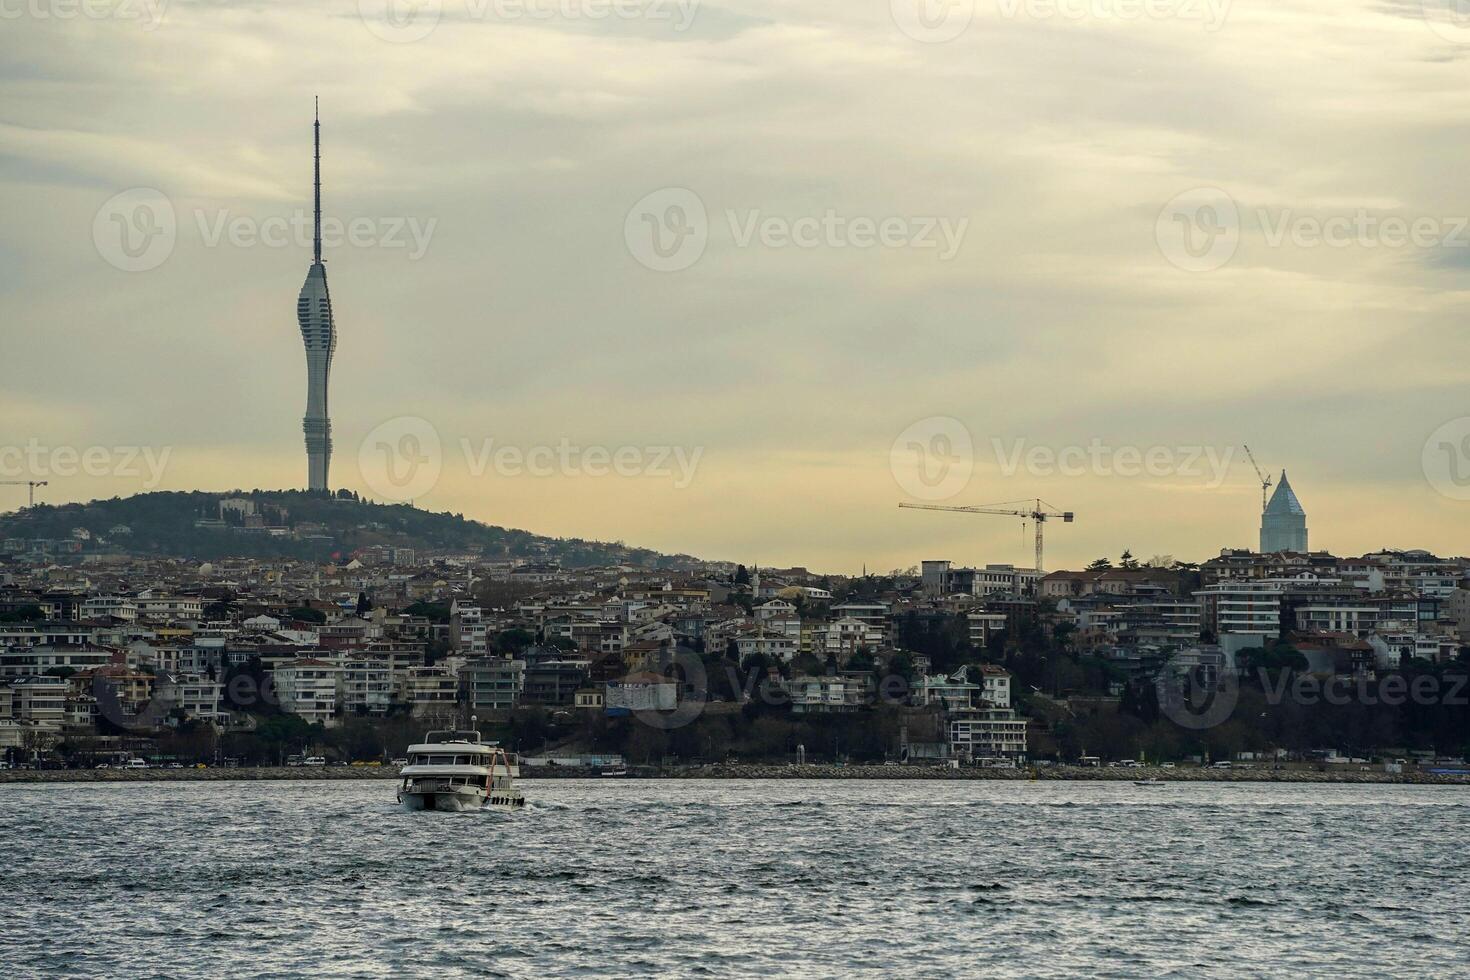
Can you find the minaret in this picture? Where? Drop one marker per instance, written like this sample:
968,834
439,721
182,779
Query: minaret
319,334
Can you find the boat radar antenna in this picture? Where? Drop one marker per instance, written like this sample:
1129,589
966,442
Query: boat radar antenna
316,126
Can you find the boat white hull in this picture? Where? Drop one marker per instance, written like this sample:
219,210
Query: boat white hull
451,802
447,802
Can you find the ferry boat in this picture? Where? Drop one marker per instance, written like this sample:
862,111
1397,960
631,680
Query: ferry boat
454,771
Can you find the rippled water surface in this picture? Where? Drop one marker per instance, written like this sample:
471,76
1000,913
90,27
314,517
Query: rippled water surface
821,878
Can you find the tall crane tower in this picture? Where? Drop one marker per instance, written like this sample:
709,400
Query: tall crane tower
31,484
1265,480
1033,511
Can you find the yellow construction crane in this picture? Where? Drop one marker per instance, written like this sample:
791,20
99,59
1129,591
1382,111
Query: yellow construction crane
1032,512
1265,480
31,484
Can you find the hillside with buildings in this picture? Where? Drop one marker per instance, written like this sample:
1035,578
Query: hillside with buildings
286,524
1285,658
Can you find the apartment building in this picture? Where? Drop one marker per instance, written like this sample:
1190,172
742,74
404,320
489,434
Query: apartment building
308,688
429,691
493,684
468,632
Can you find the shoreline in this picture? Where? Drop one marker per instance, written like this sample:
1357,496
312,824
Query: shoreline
753,771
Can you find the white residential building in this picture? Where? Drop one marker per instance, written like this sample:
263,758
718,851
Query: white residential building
773,645
995,686
28,661
101,607
197,697
467,629
987,733
40,702
308,688
364,687
169,607
1336,616
429,691
493,684
841,638
826,693
1246,606
984,625
953,693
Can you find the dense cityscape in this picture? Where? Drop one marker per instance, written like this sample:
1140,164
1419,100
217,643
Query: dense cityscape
113,657
656,488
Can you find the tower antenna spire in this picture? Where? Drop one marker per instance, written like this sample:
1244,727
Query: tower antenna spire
316,238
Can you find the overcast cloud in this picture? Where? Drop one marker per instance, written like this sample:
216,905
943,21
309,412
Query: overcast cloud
896,229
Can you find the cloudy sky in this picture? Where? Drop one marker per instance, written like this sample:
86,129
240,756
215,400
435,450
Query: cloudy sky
735,278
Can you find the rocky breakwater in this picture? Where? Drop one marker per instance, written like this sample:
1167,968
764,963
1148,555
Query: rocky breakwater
211,774
1192,774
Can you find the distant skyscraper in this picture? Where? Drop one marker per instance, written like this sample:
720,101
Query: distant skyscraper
319,333
1284,523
